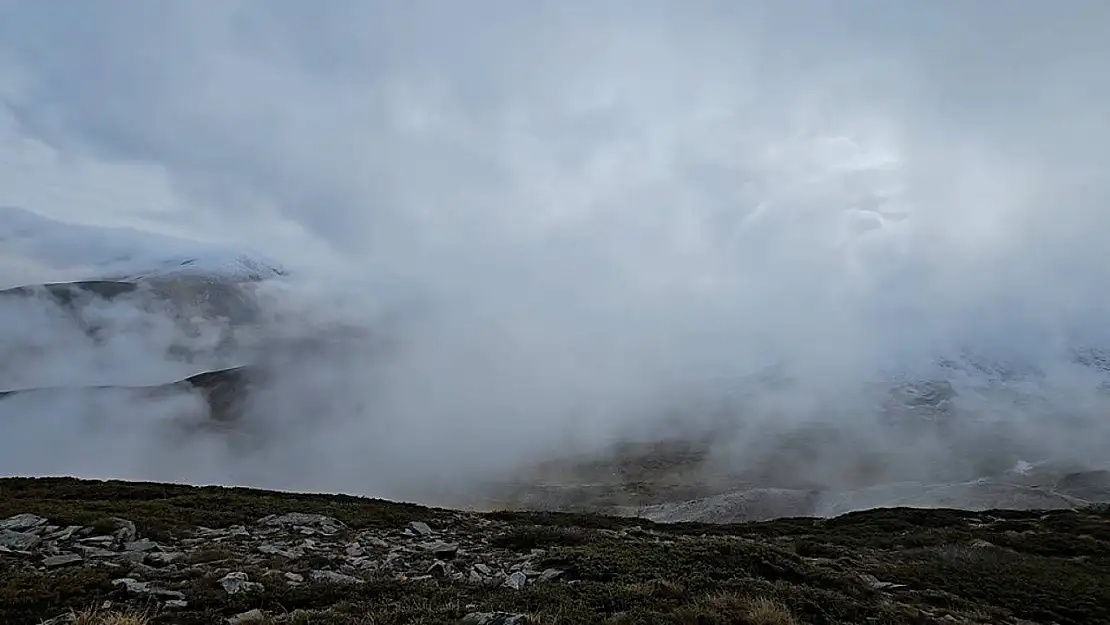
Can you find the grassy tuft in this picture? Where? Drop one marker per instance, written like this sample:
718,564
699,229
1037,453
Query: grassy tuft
96,616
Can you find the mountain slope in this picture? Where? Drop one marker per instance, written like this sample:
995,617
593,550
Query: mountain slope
101,253
131,307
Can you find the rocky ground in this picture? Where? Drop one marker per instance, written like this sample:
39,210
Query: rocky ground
187,555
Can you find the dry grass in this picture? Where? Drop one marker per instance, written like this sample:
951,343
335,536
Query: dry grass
765,611
96,616
733,609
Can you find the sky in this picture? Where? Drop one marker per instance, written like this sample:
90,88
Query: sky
602,207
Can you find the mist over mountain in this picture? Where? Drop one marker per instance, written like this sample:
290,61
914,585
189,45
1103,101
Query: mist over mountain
850,246
86,252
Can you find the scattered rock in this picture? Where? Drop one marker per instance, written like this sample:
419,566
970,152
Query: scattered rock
141,545
131,585
149,569
131,557
95,552
516,581
236,582
373,541
494,618
19,541
442,549
64,535
125,530
302,520
332,577
875,583
548,575
247,618
22,522
58,561
171,595
274,550
439,568
164,558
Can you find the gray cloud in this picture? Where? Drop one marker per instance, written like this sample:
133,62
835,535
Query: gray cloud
604,209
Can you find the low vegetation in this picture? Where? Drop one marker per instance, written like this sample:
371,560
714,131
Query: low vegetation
885,566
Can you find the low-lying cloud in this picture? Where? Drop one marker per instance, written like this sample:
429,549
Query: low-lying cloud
571,224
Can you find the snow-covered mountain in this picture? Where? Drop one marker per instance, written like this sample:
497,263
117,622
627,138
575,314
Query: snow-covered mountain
93,305
84,252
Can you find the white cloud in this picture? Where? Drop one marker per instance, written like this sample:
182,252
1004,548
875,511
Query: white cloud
603,206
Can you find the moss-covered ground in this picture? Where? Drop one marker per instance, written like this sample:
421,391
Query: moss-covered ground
882,566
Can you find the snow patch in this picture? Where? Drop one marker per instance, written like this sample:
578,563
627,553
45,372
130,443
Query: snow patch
84,252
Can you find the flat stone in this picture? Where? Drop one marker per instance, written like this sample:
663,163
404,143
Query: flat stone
247,618
442,549
58,561
483,569
494,618
516,581
274,550
295,578
132,557
548,575
19,541
103,541
374,541
236,582
141,545
125,530
877,584
64,534
22,522
142,571
132,585
208,532
95,552
331,577
420,528
164,558
320,522
177,604
171,595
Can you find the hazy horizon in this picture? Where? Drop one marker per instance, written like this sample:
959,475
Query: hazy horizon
579,221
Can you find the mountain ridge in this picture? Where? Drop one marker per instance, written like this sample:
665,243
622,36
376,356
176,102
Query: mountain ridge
88,252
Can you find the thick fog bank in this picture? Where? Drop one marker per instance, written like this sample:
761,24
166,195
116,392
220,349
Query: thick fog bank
523,231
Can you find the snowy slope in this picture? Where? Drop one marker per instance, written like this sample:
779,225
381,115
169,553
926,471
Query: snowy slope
83,252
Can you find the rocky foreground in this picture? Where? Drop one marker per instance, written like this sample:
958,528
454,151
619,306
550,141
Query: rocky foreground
181,554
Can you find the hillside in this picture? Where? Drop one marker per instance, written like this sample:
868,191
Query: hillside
191,555
87,252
